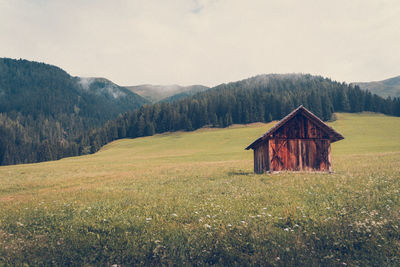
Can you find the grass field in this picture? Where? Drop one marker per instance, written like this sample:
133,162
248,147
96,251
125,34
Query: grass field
192,199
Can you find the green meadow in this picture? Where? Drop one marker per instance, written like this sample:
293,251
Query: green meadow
191,198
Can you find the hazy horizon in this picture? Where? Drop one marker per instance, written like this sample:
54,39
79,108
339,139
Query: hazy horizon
205,42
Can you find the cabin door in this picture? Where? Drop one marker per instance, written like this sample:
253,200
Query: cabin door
277,154
315,155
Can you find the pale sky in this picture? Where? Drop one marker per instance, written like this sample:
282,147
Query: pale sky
205,41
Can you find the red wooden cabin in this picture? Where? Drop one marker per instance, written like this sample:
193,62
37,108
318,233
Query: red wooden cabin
298,142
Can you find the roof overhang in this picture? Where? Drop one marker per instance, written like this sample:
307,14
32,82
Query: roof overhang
333,135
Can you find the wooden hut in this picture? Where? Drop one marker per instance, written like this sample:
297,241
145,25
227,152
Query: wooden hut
299,142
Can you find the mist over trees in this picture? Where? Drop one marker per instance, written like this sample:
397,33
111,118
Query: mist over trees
43,110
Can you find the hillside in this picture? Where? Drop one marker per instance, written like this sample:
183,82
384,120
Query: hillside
155,93
389,87
191,198
43,108
261,98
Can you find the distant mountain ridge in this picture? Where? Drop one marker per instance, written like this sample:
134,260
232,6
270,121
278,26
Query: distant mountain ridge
155,93
385,88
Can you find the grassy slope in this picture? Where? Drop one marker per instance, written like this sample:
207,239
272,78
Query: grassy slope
192,197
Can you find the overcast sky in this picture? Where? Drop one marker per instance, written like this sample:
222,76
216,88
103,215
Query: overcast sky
205,41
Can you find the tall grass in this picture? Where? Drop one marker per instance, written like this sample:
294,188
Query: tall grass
192,199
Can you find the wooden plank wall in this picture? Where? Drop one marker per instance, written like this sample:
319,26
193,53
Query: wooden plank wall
299,155
300,127
261,158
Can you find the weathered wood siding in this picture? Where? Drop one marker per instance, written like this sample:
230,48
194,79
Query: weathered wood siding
299,145
299,155
300,127
261,158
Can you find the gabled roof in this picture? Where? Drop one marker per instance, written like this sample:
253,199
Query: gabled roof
333,135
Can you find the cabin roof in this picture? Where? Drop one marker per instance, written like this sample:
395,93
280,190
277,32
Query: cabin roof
333,135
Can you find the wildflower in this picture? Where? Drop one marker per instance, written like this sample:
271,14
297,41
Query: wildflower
277,259
243,222
20,224
229,225
286,229
148,219
174,214
207,226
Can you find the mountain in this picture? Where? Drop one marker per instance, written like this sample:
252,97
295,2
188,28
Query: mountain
43,109
39,89
155,93
112,98
389,87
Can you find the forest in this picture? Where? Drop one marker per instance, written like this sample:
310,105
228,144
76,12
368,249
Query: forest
43,110
45,115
